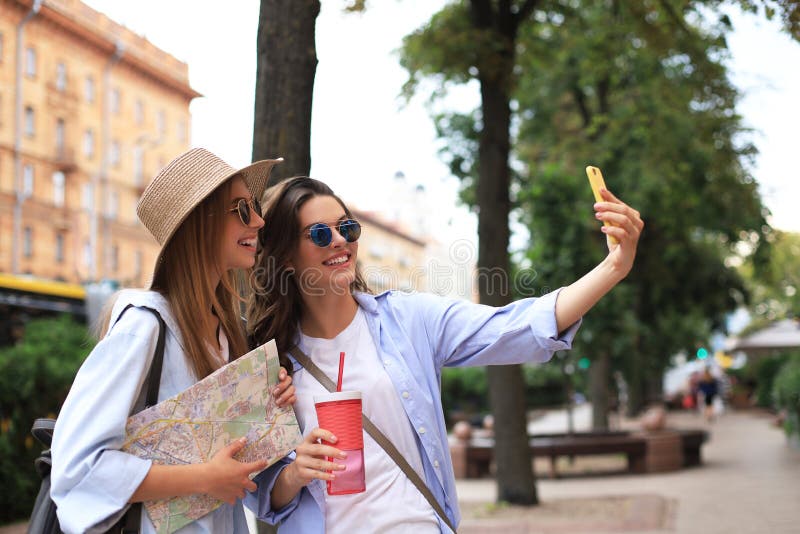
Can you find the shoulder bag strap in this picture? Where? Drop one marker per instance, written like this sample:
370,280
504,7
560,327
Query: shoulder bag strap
377,435
130,523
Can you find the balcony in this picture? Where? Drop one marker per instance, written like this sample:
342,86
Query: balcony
65,159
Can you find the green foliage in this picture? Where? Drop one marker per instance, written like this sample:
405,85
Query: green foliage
786,393
765,371
465,390
775,281
35,377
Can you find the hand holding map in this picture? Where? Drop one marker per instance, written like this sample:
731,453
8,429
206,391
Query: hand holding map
233,402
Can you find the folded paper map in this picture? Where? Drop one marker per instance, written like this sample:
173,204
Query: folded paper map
234,401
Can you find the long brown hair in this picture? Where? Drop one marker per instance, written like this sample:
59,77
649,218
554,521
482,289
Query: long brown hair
184,278
275,305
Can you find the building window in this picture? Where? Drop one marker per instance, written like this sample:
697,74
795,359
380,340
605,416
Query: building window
88,89
88,143
181,130
138,165
114,258
27,180
60,135
113,205
30,122
27,243
88,196
61,77
114,155
58,188
30,62
161,122
87,254
138,112
115,101
60,247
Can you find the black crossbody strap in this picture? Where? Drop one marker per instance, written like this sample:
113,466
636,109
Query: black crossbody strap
131,521
377,435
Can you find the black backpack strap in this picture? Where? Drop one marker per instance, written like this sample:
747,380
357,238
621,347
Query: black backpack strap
130,523
154,375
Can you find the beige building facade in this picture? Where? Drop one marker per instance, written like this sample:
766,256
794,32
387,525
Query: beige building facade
89,111
389,255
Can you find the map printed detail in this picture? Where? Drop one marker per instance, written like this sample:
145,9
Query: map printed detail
233,402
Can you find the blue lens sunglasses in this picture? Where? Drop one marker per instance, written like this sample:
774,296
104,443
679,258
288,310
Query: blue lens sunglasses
321,234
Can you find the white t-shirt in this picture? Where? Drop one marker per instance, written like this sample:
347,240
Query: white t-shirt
391,503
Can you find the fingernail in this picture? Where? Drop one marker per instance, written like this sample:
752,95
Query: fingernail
342,454
333,439
341,467
283,374
597,215
242,440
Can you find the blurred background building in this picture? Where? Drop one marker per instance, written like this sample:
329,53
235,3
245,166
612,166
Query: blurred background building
89,111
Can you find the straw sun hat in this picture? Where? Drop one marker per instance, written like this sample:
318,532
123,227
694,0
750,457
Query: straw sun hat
183,183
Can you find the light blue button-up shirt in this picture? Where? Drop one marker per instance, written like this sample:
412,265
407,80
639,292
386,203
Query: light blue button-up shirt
92,480
416,335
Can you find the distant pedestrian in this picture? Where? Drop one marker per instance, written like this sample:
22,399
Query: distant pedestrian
709,387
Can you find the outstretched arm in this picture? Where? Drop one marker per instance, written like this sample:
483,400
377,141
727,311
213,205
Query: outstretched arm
579,297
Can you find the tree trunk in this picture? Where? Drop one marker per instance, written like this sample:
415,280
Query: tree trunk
515,479
598,388
287,64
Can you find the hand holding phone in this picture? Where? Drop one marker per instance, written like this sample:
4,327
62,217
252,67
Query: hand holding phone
597,183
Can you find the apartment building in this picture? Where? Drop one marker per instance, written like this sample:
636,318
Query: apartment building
389,255
89,111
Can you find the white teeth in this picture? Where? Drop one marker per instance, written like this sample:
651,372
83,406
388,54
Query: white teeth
337,261
248,242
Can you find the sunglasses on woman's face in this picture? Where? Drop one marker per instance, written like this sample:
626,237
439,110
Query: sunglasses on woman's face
321,234
243,207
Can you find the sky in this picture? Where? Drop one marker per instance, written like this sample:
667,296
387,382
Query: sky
363,133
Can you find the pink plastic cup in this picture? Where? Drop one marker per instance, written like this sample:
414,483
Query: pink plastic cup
340,413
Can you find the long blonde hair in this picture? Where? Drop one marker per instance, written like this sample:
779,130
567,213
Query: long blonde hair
184,278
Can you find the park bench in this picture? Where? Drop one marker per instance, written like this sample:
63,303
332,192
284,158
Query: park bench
645,452
692,441
472,459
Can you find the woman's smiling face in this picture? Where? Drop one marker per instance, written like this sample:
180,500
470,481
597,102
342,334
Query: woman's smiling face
332,267
238,249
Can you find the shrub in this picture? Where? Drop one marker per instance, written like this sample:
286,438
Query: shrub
786,392
35,377
766,370
465,390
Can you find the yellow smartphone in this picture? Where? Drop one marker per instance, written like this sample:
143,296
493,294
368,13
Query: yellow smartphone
597,183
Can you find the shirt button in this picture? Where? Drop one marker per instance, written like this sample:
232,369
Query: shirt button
436,464
405,394
422,430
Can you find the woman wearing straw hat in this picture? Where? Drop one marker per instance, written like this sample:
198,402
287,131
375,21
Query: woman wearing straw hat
205,215
308,291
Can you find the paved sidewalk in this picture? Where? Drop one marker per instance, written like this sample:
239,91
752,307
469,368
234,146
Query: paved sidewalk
749,483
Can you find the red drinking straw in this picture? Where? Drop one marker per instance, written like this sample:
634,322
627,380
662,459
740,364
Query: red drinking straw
341,368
